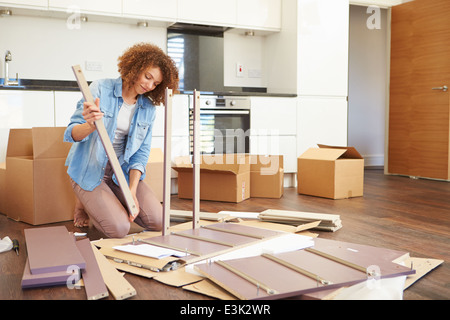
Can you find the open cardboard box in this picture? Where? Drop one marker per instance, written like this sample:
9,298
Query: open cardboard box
155,172
331,172
38,187
266,176
222,177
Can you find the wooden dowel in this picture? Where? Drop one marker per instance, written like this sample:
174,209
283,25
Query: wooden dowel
190,236
296,268
245,276
234,232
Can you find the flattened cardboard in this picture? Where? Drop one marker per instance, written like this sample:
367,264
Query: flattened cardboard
39,189
331,172
222,178
266,176
155,172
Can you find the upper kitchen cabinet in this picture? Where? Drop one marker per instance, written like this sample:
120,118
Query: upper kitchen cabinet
109,7
259,14
213,12
26,3
323,28
151,9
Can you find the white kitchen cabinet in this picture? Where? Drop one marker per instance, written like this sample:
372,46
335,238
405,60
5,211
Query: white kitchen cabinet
273,123
113,7
321,120
214,12
273,114
180,117
65,105
31,3
259,14
151,9
323,28
23,109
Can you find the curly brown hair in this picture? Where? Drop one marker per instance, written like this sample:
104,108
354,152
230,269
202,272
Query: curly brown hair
142,56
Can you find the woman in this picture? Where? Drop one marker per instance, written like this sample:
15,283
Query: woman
126,105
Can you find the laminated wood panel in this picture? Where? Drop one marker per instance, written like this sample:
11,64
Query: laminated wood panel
52,249
93,281
302,271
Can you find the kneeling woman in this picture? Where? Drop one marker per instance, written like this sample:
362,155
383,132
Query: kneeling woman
127,107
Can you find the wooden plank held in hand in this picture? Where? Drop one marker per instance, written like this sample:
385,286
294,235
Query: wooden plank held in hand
103,134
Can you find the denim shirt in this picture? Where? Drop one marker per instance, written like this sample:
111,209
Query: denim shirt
87,159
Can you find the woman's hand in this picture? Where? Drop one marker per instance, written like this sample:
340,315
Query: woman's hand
131,217
91,112
135,176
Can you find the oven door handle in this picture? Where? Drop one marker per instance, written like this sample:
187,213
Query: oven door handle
231,112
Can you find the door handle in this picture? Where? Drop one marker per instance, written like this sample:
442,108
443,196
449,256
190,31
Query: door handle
444,88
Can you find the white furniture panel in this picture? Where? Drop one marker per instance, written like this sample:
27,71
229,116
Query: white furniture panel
215,12
264,14
98,6
32,3
321,120
273,114
23,109
157,9
323,28
65,105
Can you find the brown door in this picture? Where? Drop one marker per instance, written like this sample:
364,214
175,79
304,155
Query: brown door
419,103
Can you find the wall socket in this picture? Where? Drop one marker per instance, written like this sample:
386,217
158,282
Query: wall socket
239,70
93,66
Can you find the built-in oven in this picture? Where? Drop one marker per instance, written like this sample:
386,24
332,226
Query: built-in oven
224,124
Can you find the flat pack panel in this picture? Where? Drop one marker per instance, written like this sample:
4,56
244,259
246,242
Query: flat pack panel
52,249
44,279
119,287
93,281
211,240
304,271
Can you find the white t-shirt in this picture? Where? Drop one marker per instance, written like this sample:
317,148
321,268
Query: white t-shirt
124,118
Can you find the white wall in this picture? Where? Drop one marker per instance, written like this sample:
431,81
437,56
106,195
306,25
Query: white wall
45,48
367,85
248,51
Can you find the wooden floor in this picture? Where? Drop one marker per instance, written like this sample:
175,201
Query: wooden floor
396,213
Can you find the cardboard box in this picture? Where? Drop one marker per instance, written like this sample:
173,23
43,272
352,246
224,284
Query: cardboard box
3,187
222,178
266,176
38,186
331,172
155,172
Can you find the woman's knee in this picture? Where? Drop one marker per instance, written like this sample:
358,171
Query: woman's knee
117,230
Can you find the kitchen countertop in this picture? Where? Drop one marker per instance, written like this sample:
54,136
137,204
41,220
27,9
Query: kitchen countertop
66,85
